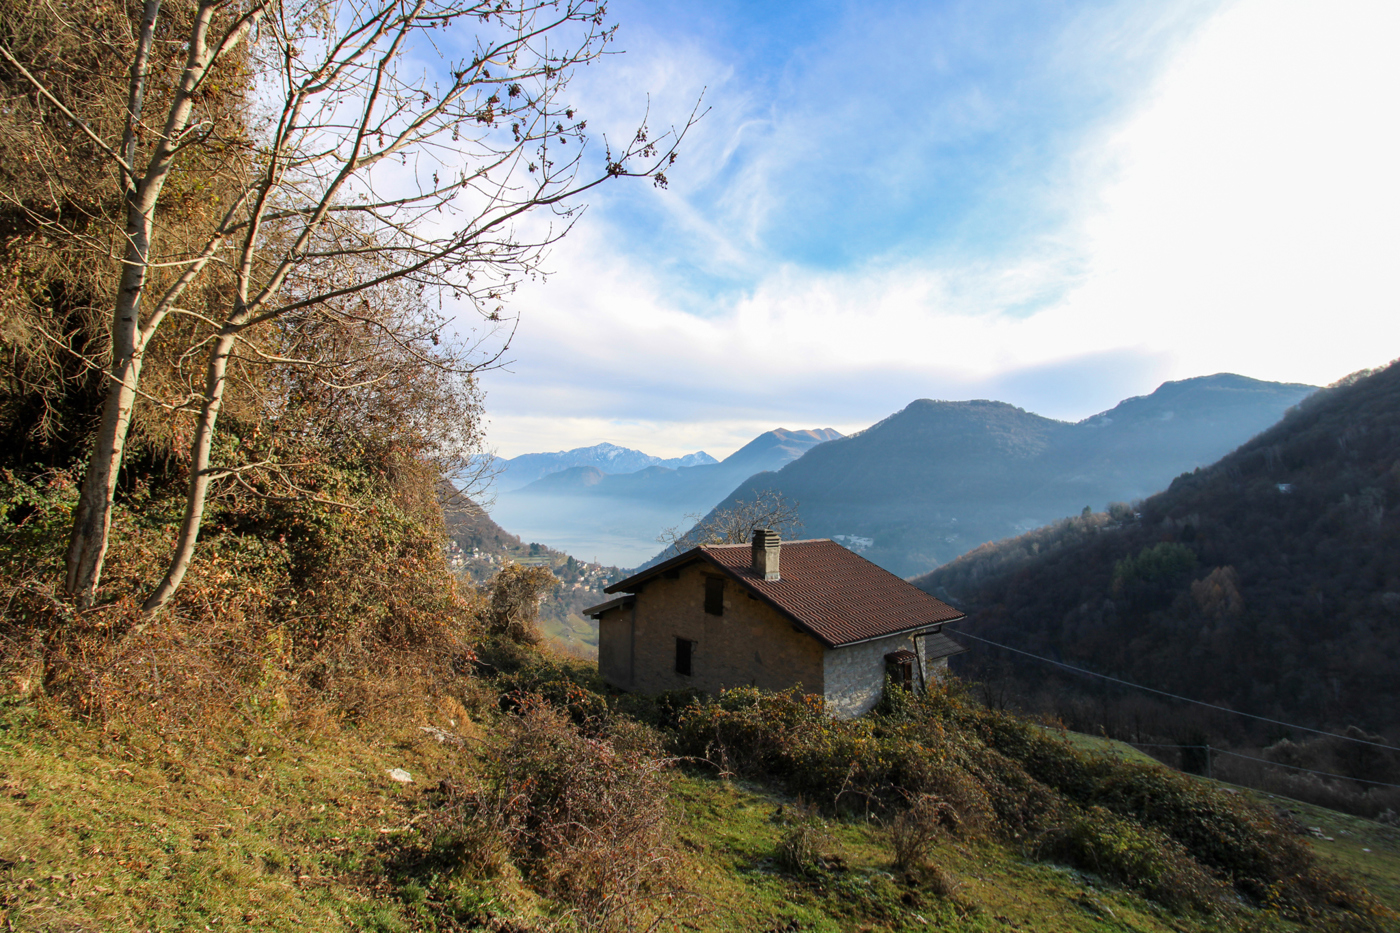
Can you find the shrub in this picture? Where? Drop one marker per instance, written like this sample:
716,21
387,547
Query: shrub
289,600
583,817
913,832
1164,834
513,602
800,850
1130,854
572,687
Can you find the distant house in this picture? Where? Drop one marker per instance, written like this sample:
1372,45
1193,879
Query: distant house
810,614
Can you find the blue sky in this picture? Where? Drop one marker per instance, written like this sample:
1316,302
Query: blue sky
1054,204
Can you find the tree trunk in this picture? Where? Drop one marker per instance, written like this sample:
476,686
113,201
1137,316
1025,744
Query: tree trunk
200,472
92,520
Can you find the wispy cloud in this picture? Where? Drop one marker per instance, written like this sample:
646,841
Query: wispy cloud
1058,210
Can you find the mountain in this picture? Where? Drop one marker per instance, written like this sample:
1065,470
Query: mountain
607,458
938,478
772,449
471,530
1268,581
694,487
589,509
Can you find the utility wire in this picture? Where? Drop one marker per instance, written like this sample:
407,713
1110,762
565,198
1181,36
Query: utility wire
1276,764
1174,696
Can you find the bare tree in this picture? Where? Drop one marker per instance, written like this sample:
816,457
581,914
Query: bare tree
735,524
378,149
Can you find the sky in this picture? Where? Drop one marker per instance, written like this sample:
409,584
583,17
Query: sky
1054,204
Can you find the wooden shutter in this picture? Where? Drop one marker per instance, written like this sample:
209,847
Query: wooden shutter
714,595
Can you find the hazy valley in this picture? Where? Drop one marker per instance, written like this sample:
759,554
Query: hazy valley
615,517
919,488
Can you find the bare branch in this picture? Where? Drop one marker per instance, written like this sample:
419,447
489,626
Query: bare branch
82,125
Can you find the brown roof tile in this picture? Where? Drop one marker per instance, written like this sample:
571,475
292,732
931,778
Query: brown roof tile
834,593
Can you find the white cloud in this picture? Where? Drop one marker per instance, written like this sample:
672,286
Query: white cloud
1242,219
1252,224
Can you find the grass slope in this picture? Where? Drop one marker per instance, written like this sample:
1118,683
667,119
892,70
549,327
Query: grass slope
1363,849
274,822
735,828
272,826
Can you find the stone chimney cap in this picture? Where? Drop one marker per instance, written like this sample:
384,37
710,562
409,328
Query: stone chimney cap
767,548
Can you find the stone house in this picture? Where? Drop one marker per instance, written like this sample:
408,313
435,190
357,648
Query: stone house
772,615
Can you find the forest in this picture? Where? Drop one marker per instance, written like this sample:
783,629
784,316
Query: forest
1268,583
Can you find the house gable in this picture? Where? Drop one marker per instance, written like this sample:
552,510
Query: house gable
747,643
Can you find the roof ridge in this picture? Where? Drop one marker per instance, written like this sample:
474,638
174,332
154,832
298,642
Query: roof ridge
783,543
838,596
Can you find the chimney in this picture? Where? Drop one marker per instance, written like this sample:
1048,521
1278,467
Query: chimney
766,545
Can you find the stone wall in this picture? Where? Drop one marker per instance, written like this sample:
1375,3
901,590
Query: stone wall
749,645
855,675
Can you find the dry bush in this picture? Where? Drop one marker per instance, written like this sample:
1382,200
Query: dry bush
913,832
967,807
1146,827
291,604
584,818
801,849
942,882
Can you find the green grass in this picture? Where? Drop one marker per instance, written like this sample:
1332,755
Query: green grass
1364,849
731,832
575,633
280,825
1100,745
249,827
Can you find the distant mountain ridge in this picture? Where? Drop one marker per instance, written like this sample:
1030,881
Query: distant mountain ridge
691,486
938,478
606,458
588,505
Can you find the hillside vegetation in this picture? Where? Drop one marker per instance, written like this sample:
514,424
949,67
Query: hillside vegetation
519,798
1268,582
479,549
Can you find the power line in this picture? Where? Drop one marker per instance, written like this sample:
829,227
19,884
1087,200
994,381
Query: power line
1174,696
1276,764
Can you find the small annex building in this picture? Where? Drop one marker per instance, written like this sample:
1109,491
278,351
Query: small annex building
773,615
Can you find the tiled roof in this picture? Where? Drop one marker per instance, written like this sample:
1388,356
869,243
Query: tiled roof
834,593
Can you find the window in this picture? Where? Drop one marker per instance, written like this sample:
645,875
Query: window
685,648
901,673
899,668
714,595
